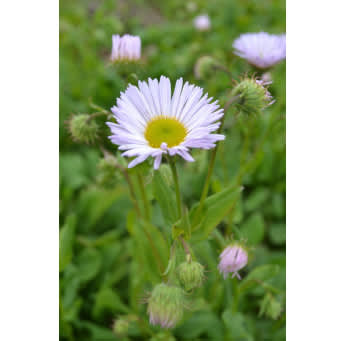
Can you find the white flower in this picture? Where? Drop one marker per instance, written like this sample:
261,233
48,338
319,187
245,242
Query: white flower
126,48
151,122
202,22
261,49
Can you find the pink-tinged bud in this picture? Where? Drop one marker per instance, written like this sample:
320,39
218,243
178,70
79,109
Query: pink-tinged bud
232,259
166,305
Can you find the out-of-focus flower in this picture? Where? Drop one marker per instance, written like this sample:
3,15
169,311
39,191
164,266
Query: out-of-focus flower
165,305
262,49
151,122
232,259
202,22
253,96
190,274
126,48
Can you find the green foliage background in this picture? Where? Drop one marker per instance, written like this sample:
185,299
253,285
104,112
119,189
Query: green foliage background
107,262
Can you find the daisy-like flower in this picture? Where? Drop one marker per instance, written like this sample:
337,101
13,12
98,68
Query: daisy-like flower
232,259
262,49
202,22
126,48
151,122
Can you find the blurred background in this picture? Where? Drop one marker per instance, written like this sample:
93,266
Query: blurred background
106,265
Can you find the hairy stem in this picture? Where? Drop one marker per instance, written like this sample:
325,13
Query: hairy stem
213,157
177,186
144,196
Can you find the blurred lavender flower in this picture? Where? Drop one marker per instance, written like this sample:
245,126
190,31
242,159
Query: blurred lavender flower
232,259
126,48
152,121
262,49
202,22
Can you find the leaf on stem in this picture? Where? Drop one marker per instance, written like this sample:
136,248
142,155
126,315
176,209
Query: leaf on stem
213,211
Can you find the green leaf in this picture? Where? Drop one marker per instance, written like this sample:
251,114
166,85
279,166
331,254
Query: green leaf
261,273
89,263
165,197
236,326
253,229
108,300
214,210
67,236
199,324
277,234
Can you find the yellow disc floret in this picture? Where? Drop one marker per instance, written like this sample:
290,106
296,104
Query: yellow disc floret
165,129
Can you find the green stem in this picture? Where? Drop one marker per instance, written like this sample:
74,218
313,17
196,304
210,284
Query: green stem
177,186
144,197
213,157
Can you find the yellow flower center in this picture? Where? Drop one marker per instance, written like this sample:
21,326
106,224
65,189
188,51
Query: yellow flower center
165,129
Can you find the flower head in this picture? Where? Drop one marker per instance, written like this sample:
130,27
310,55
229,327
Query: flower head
165,305
253,96
125,48
262,49
232,259
151,122
202,22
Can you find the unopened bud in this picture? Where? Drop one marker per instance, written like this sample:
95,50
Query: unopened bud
120,326
270,306
165,305
108,171
204,67
253,96
233,259
190,274
83,129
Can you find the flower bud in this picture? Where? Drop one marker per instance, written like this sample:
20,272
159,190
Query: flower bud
253,96
270,306
232,259
120,326
165,305
82,128
204,67
190,274
108,173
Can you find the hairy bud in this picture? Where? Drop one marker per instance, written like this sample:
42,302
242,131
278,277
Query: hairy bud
83,129
190,274
165,305
108,172
253,96
233,259
204,67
